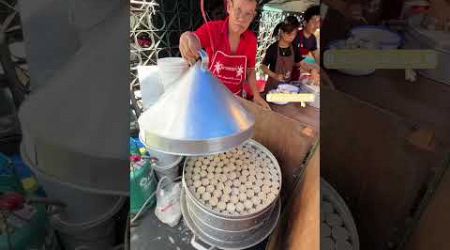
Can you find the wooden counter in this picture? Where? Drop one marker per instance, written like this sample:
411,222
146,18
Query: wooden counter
367,154
288,139
309,116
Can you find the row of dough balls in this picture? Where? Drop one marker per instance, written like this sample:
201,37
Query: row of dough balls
197,166
240,181
235,178
201,167
236,155
236,202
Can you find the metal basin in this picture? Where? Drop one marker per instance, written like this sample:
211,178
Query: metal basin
224,222
217,231
225,240
210,220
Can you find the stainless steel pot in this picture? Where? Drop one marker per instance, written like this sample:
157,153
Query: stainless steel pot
226,222
232,229
226,241
215,228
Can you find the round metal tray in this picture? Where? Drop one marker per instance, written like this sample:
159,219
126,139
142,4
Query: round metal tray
250,241
277,166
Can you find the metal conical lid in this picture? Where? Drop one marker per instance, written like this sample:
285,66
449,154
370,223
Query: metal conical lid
198,115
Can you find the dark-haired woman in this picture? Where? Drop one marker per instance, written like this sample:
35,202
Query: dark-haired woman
282,58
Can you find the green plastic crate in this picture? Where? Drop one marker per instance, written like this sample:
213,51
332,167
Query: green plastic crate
142,185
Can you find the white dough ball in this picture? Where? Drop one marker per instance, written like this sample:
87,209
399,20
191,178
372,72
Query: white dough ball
230,207
205,182
201,190
221,205
248,204
242,197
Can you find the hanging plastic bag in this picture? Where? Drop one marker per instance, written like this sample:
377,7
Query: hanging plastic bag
168,208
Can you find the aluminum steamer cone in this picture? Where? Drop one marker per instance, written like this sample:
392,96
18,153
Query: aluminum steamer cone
197,115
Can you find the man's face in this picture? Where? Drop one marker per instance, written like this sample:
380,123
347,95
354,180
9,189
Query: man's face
241,14
313,24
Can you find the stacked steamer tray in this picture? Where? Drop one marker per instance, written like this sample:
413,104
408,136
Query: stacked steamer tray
231,200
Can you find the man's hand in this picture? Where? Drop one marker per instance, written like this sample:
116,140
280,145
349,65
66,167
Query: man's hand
189,47
261,102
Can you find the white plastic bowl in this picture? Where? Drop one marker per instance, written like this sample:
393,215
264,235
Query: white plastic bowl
285,87
171,69
340,44
386,38
289,87
150,83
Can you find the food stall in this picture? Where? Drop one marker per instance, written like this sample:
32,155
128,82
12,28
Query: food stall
286,137
285,144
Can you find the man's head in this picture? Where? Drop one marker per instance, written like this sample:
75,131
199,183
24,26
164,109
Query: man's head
241,14
312,19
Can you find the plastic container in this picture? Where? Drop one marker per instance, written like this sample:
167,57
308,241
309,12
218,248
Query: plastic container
313,90
150,84
171,69
288,87
340,44
387,39
285,88
167,165
98,233
142,185
81,206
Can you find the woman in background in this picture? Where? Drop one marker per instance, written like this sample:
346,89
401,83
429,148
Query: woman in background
282,57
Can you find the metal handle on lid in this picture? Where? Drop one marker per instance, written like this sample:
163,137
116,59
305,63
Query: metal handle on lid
204,59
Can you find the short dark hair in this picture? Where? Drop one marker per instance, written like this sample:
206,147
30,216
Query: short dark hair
289,24
293,20
310,12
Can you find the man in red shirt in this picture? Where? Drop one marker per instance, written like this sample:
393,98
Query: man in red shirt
231,48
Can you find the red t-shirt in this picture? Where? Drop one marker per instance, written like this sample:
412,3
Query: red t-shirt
229,67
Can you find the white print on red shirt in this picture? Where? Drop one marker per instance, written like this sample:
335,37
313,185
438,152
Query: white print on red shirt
218,66
230,69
